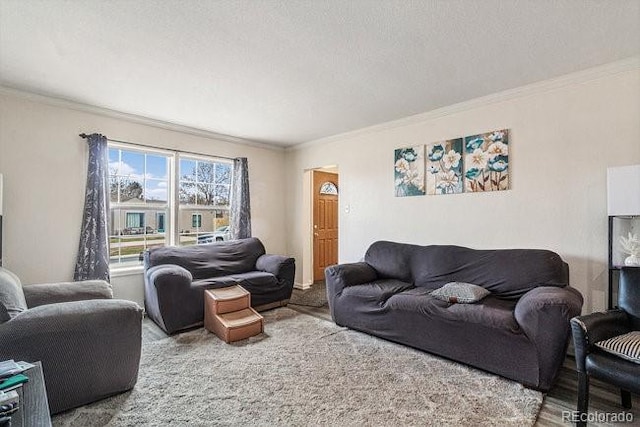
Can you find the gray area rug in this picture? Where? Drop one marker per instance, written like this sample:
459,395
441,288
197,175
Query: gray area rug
305,371
316,296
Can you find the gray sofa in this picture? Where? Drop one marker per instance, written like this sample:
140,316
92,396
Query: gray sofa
175,279
88,343
520,331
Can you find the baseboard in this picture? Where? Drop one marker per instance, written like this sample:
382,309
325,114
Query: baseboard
302,286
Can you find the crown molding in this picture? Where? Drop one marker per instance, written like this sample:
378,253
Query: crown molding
579,77
625,65
134,118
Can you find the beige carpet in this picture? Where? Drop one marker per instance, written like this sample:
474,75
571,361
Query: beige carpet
305,371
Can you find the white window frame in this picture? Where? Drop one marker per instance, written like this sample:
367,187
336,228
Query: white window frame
169,240
172,232
189,156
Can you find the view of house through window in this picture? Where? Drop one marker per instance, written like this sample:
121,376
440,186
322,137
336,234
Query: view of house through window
203,189
196,221
142,202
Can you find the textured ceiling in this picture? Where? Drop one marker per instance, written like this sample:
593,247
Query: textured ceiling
287,72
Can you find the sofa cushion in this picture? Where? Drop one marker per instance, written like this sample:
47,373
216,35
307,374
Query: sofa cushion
259,281
626,346
11,295
376,292
391,260
261,285
491,312
460,292
507,273
210,260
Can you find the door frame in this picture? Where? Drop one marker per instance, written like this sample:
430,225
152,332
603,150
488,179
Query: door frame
307,220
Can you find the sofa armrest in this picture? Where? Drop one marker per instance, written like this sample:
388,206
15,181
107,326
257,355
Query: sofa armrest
96,317
52,293
89,349
340,276
544,315
160,273
544,312
283,267
279,265
591,328
168,296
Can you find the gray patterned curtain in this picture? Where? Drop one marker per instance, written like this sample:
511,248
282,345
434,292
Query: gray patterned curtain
240,204
93,251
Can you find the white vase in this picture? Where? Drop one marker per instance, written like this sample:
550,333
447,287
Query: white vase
632,261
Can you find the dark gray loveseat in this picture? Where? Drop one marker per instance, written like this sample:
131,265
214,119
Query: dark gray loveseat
175,279
520,331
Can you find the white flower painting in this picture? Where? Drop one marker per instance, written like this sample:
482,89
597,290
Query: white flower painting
476,163
486,161
409,171
444,167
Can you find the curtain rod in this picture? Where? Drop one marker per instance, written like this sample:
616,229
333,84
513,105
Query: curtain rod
85,136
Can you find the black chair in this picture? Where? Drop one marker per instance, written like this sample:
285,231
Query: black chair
592,361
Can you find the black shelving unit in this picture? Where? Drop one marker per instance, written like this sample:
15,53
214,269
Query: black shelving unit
619,225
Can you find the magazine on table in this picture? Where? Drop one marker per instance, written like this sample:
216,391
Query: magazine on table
10,367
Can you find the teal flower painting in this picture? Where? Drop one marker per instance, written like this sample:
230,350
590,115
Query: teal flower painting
486,161
444,167
409,171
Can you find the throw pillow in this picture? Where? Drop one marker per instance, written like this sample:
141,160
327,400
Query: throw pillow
11,295
626,346
460,292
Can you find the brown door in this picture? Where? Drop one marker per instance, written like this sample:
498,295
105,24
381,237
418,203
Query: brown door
325,222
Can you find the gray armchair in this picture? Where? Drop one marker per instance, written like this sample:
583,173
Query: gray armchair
88,343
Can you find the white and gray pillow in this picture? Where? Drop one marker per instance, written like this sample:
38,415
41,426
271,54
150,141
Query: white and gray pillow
460,292
626,346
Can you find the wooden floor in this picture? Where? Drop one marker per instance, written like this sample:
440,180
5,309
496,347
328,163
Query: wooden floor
562,397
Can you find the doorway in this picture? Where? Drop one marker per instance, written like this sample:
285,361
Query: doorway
324,221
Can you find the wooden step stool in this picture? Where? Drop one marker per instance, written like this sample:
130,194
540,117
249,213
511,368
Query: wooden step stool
228,314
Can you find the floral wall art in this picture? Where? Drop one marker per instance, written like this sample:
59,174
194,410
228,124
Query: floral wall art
409,171
476,163
444,167
486,161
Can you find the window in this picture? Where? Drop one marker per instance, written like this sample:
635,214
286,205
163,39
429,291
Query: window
204,188
150,187
160,221
135,220
139,184
328,188
196,220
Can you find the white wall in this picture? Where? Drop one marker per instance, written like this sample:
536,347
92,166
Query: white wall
44,166
564,134
563,137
